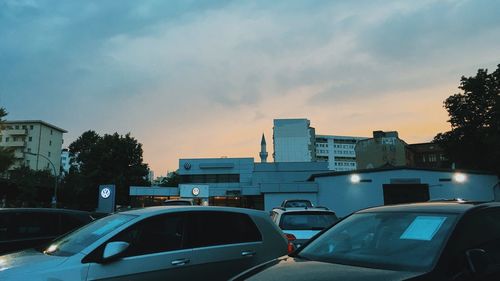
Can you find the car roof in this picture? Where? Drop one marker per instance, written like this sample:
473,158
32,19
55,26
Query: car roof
438,207
51,210
301,209
156,210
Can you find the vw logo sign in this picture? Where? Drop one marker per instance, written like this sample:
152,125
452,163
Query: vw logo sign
195,191
105,193
187,165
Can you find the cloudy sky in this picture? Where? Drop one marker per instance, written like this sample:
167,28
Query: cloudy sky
207,78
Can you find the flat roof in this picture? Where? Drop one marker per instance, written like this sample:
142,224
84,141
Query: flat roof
386,169
35,121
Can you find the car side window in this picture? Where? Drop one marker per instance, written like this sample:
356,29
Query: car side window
70,222
220,228
33,225
5,227
154,235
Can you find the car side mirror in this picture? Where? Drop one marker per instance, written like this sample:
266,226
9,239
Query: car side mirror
477,260
114,250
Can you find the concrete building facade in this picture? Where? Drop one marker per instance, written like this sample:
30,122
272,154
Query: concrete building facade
33,141
346,192
293,140
384,149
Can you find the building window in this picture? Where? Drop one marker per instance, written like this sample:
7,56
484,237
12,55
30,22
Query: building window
24,127
432,158
17,127
29,149
48,166
51,131
49,153
31,127
7,139
30,138
27,162
15,138
50,143
1,138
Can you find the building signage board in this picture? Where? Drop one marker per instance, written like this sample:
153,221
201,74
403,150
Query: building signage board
106,199
194,190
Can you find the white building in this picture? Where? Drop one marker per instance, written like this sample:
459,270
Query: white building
293,141
338,151
37,144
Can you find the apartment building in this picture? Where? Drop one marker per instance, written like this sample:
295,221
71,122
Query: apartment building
338,151
293,140
37,144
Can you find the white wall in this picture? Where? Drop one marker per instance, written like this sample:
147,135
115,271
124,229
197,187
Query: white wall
344,197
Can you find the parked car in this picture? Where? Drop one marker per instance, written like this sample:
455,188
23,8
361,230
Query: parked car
300,224
156,243
424,241
23,228
178,202
296,203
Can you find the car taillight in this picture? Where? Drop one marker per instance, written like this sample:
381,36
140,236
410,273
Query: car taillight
290,238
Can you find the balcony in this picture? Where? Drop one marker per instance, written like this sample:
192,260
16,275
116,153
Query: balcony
16,132
19,155
14,144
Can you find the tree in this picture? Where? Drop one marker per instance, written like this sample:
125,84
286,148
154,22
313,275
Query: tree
110,159
171,180
6,154
34,187
474,139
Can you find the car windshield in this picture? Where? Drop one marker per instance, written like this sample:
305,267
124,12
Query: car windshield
298,204
307,220
76,241
396,241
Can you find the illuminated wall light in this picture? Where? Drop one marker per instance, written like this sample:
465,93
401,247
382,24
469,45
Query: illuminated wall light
355,178
459,177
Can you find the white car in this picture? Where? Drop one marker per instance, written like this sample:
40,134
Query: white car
300,224
158,243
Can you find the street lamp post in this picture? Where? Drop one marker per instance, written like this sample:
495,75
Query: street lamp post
54,199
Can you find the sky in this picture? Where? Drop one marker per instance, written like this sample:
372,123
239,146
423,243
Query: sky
194,79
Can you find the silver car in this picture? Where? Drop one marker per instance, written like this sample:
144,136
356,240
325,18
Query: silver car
157,243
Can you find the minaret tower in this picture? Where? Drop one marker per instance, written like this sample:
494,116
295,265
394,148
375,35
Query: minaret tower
263,152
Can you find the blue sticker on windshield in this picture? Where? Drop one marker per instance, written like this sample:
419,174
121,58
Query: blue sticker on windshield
423,228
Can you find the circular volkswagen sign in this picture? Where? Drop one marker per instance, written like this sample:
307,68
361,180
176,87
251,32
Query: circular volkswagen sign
195,191
105,193
187,165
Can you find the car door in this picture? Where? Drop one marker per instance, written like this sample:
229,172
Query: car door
478,230
157,251
224,243
23,230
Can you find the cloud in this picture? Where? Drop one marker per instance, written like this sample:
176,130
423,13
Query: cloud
191,78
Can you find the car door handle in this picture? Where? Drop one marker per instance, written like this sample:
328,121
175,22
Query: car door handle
180,262
248,253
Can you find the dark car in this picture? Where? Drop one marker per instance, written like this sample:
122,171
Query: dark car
22,228
423,241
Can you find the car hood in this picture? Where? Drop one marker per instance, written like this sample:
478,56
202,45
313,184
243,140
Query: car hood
27,262
291,269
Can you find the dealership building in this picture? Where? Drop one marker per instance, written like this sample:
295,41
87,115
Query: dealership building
240,182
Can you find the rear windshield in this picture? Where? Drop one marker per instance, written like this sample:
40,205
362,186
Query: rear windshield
308,220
